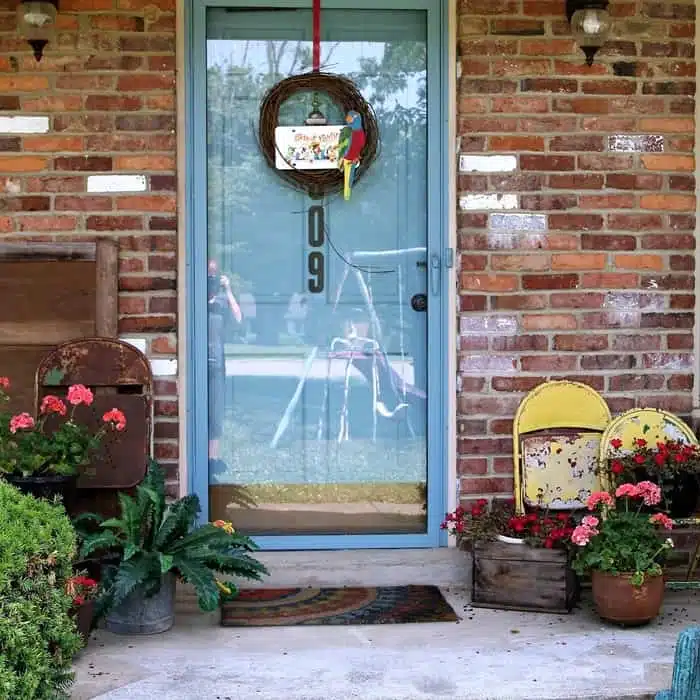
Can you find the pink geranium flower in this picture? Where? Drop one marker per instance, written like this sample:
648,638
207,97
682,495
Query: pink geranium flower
599,497
116,418
4,383
581,535
52,404
79,394
627,490
650,492
663,520
590,521
22,421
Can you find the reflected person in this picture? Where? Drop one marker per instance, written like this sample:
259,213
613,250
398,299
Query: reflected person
222,307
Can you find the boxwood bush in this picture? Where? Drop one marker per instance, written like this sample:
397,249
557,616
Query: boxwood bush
37,637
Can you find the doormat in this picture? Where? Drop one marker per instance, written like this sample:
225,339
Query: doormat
380,605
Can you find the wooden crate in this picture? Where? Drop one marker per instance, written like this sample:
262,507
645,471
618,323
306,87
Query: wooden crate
51,293
519,577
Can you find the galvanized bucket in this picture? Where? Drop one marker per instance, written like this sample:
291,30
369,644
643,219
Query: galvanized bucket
141,615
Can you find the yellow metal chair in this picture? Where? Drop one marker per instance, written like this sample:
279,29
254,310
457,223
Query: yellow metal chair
556,442
652,424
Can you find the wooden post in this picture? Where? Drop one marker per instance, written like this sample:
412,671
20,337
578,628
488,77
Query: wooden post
107,288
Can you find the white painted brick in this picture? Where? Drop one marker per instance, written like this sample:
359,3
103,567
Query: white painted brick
488,201
164,368
487,164
509,223
24,125
116,183
138,343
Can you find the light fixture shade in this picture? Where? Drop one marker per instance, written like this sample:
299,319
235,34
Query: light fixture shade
36,21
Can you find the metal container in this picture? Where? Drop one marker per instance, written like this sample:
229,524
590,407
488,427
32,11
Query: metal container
141,615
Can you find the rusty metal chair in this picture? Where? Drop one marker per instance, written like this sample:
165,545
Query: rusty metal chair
556,438
120,377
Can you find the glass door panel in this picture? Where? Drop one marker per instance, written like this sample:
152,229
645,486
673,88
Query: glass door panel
317,326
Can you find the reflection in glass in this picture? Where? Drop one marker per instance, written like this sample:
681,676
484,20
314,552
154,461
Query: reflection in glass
317,367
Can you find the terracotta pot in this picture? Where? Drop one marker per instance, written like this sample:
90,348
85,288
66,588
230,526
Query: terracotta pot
617,600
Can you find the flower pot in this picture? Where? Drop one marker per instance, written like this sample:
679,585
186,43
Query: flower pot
46,486
684,494
141,615
617,600
82,615
509,540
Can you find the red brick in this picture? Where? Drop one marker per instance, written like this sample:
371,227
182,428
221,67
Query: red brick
581,105
575,222
516,143
580,343
547,163
542,282
535,322
636,342
473,467
577,300
667,241
595,161
528,343
679,341
515,384
489,283
548,363
653,161
630,181
576,181
634,222
602,241
511,302
486,485
636,382
607,201
579,142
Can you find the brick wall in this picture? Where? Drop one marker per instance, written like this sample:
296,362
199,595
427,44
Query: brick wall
577,215
107,87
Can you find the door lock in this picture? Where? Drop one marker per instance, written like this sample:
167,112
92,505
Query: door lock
419,302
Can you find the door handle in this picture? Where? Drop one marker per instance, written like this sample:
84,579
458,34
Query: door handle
435,274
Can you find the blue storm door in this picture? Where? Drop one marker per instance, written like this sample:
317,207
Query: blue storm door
318,389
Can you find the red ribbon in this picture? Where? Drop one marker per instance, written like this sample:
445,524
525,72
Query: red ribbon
317,35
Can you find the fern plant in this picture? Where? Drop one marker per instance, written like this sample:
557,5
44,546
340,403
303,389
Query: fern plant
154,538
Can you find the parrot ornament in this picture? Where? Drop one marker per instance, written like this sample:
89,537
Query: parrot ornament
350,146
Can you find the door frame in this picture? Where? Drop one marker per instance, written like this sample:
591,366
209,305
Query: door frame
193,269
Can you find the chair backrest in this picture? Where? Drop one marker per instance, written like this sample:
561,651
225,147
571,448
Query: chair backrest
652,424
556,433
686,668
120,377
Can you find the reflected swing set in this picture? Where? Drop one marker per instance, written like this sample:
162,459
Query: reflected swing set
393,395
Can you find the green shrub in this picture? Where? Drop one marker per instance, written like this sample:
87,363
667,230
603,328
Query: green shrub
37,637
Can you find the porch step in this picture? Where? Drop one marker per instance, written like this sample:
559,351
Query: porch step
359,567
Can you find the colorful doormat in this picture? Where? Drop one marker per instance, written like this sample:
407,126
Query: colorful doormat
381,605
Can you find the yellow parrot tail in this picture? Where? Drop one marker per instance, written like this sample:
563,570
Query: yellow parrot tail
347,172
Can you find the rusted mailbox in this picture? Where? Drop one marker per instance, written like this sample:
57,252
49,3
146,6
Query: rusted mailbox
120,377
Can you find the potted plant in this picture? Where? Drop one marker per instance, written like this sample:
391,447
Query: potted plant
42,455
160,543
620,546
83,590
673,465
519,562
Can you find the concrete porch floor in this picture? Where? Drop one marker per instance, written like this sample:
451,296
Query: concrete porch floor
488,655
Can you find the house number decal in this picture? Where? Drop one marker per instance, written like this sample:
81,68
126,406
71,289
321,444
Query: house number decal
316,261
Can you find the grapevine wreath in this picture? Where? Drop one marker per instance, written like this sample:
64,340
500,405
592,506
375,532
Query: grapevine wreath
341,91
